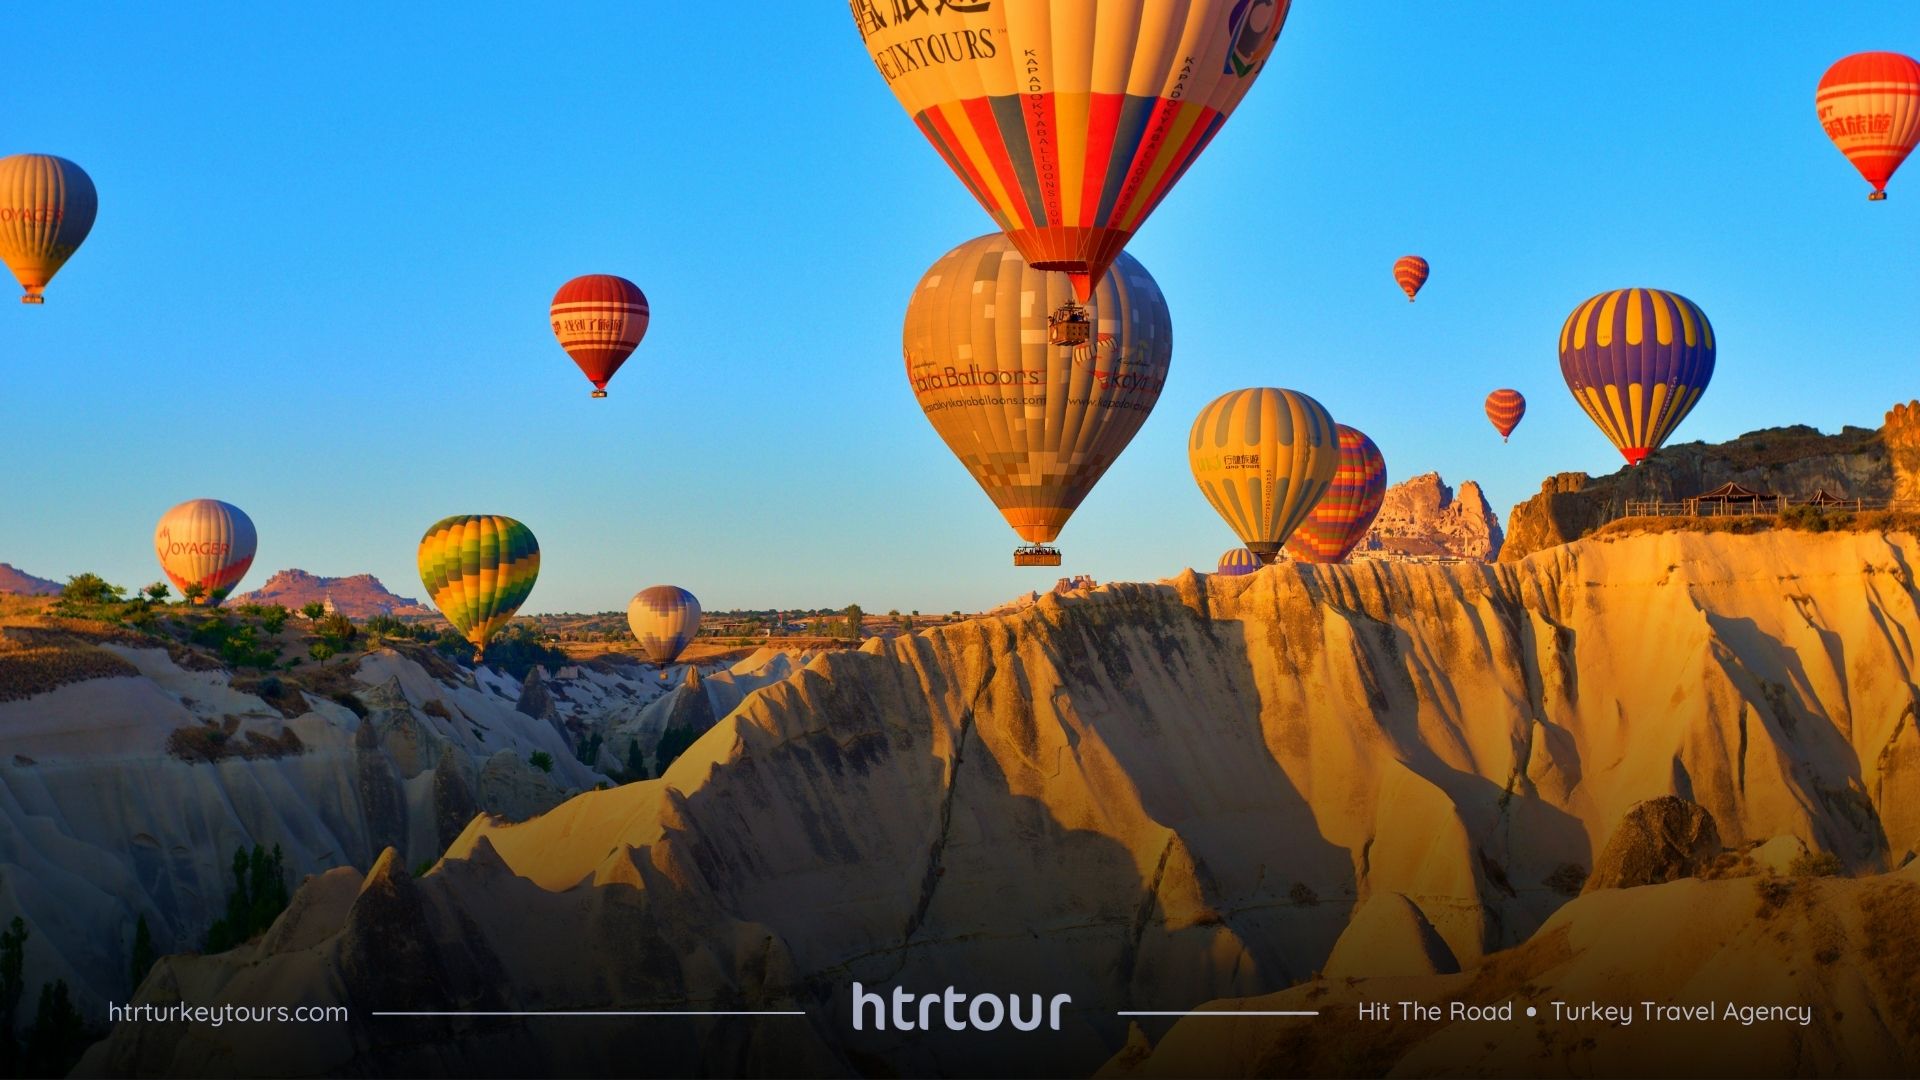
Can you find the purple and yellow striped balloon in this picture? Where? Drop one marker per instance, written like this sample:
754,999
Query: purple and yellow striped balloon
1238,563
1344,514
1637,360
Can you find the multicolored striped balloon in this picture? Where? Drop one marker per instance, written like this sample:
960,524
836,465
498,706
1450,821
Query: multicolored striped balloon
1411,273
1637,360
1870,105
1343,515
478,570
205,543
47,205
599,319
1238,562
1036,425
1264,457
1506,408
665,619
1070,120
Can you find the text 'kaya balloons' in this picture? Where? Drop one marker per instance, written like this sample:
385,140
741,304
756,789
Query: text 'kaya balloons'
1070,120
1637,360
1505,410
1238,562
664,619
1343,515
1036,425
47,206
207,544
599,319
478,570
1870,105
1410,273
1264,457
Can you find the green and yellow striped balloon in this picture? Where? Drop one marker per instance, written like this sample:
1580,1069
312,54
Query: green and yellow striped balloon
478,570
1264,457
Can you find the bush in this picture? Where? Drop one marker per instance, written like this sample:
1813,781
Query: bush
541,760
386,626
518,650
91,589
1816,864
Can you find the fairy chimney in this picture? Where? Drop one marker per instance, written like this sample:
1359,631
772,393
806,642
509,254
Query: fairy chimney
1902,435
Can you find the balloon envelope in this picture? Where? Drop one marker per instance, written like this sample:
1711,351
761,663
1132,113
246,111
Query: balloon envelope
664,619
478,570
1505,410
1036,425
208,543
47,205
1637,360
1411,274
1070,120
1238,562
1870,105
1264,457
599,319
1343,515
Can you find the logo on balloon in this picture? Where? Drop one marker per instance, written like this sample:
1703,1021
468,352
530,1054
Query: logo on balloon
1249,31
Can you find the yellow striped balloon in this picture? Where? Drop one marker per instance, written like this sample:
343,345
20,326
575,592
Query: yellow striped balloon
1264,458
47,206
1637,360
478,570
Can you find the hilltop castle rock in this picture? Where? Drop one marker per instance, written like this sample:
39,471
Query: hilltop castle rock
1791,461
1902,436
358,597
1153,796
1422,519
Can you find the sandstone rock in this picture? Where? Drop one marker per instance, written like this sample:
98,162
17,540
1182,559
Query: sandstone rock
1779,853
1660,840
1389,936
22,583
1902,435
358,597
1421,518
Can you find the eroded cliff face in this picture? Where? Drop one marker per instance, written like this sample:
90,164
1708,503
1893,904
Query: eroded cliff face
1146,796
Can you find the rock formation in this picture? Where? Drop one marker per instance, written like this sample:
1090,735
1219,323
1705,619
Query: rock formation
22,583
1902,435
358,597
1792,461
1660,840
1421,519
1153,796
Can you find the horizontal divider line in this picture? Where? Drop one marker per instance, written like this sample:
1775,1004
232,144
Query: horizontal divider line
1220,1012
656,1012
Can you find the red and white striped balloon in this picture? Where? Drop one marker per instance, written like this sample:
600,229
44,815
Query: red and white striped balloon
599,319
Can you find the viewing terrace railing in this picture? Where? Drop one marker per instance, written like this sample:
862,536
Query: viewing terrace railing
1757,508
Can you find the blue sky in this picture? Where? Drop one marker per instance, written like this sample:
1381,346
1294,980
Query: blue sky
317,287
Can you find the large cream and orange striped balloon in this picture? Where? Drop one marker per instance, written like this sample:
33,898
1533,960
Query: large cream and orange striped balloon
1069,120
1637,360
47,206
1034,424
1870,105
1264,458
1410,273
208,543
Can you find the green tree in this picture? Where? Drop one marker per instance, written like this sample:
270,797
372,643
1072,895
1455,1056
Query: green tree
273,618
313,611
58,1036
91,589
636,765
13,958
193,593
157,592
258,897
854,617
673,743
144,954
541,760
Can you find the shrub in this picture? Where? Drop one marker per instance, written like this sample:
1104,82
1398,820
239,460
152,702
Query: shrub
1816,864
518,650
541,760
91,589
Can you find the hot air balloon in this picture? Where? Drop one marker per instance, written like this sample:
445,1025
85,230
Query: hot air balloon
1637,360
1069,120
1264,457
1238,562
599,319
664,618
1870,105
478,570
1036,426
1411,272
1343,515
46,209
1506,408
205,543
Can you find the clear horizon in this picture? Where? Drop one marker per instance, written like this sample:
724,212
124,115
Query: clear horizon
317,285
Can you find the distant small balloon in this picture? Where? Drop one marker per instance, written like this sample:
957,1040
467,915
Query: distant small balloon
47,206
1343,515
1411,272
665,620
478,570
1505,409
1870,105
208,543
1237,563
1263,457
599,319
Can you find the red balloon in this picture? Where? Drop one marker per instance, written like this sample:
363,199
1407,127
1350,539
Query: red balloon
599,319
1505,408
1411,274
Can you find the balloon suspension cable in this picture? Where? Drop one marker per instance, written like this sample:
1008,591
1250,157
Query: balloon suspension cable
1036,555
1069,326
